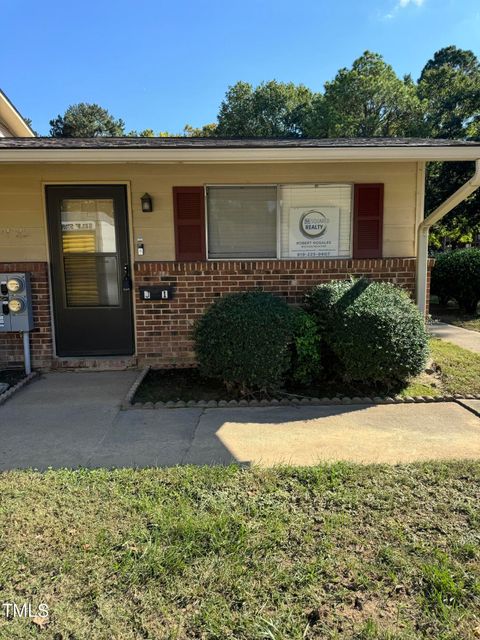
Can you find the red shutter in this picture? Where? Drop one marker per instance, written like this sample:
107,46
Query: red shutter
368,221
189,215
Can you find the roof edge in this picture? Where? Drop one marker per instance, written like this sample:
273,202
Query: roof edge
14,119
138,142
239,155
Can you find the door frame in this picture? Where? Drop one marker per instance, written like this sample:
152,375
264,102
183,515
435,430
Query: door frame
130,246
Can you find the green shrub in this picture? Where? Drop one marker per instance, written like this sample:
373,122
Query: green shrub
245,340
456,274
441,280
373,329
306,356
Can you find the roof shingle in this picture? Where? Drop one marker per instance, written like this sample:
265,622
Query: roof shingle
225,143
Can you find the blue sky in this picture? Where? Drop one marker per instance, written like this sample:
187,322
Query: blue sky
160,64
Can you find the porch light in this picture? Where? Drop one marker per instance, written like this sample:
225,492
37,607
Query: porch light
147,203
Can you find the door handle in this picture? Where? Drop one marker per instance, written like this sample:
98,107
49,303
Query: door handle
127,280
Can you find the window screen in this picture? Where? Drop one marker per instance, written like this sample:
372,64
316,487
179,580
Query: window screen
242,222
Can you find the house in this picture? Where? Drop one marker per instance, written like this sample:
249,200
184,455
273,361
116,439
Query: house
128,240
11,122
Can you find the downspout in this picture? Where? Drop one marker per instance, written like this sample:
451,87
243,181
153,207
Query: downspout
450,203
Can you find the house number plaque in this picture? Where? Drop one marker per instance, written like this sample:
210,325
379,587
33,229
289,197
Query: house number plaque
156,293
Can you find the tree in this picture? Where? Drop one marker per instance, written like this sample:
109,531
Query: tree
85,120
367,100
462,225
450,86
207,131
271,109
146,133
149,133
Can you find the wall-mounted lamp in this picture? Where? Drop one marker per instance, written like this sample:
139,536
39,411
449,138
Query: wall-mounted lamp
147,203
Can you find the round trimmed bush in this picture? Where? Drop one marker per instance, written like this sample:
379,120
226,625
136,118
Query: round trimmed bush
456,275
245,340
374,330
306,353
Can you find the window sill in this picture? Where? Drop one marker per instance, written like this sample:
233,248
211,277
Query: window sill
282,259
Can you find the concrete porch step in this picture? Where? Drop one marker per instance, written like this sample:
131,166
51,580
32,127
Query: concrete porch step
107,363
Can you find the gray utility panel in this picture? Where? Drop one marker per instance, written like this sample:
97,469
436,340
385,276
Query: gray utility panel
15,302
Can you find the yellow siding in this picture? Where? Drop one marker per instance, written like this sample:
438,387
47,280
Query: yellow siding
22,218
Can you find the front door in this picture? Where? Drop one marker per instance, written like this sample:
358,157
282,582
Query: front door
92,301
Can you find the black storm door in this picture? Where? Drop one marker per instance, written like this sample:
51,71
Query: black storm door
89,255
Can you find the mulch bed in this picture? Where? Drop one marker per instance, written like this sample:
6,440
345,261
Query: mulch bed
174,385
11,376
16,379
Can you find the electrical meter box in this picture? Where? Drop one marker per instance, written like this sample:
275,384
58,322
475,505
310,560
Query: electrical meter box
15,302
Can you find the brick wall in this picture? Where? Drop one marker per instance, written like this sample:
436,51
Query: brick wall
163,327
11,345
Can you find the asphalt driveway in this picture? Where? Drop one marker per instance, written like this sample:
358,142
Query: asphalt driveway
74,420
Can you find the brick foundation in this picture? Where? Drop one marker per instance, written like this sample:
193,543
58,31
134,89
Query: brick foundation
11,346
163,328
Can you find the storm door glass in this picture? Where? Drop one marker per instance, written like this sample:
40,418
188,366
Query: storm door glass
90,258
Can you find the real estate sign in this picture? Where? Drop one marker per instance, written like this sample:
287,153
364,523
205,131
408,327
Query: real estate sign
314,232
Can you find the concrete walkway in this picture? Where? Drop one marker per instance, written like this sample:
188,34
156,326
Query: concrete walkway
461,337
74,420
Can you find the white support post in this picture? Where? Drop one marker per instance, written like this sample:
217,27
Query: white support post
422,268
450,203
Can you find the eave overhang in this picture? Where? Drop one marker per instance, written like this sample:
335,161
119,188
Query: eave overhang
12,118
243,155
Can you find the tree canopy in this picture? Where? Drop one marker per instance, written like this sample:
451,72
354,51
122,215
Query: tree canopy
449,85
203,132
272,109
85,120
367,100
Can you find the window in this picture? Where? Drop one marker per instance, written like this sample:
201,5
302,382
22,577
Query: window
284,221
242,222
89,252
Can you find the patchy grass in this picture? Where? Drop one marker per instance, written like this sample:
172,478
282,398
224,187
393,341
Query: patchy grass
340,551
420,386
460,368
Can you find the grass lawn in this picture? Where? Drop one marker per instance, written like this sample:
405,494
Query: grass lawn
342,551
460,368
460,373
